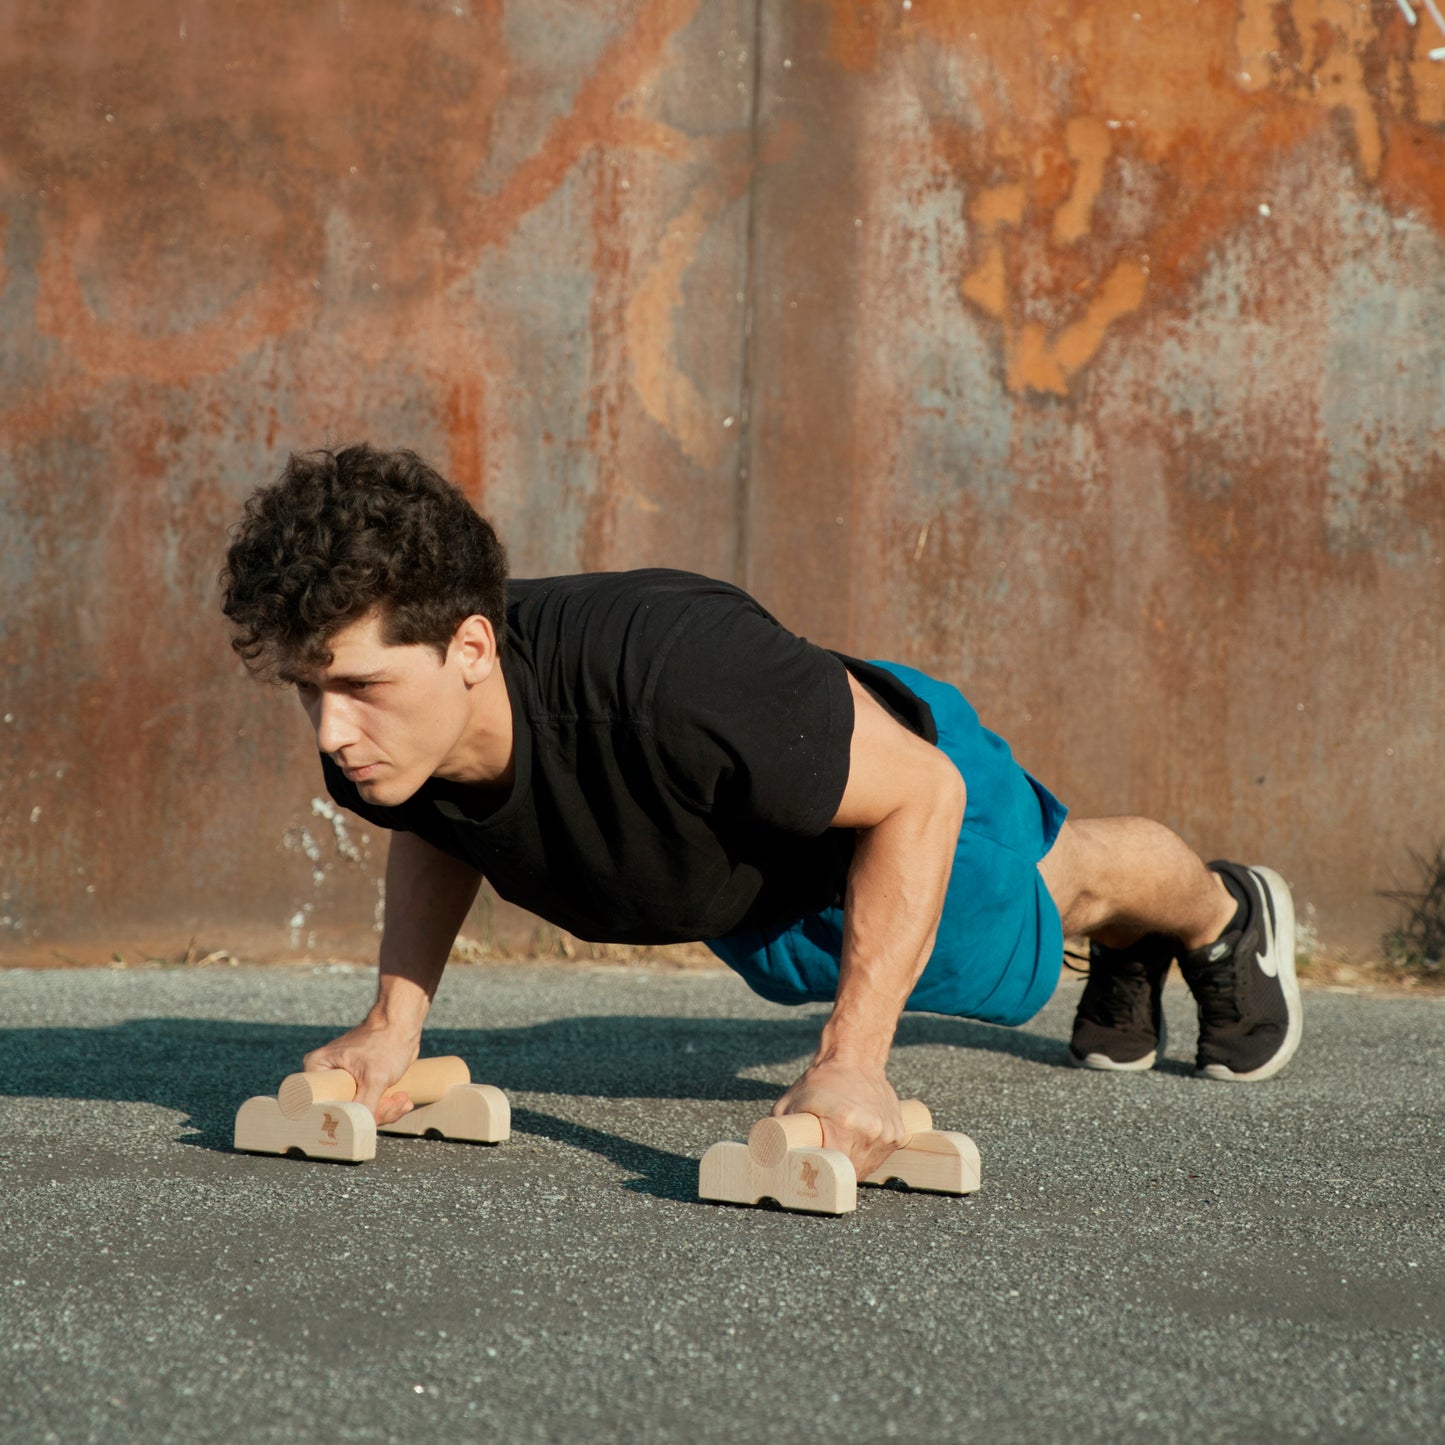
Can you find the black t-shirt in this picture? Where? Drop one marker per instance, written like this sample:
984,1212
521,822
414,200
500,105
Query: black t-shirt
679,756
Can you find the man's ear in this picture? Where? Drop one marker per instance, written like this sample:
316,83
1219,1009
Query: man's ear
475,644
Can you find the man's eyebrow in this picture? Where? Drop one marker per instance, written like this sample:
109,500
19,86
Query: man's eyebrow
343,677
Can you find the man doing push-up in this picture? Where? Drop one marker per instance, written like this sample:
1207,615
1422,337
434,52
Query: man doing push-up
650,757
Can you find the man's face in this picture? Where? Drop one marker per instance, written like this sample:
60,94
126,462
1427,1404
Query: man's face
388,717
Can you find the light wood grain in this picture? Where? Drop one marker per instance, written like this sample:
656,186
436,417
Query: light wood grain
934,1162
339,1131
424,1083
811,1181
477,1113
784,1161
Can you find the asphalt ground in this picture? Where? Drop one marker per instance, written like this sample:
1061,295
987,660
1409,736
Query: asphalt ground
1151,1258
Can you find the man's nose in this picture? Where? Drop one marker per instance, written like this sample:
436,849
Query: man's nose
334,726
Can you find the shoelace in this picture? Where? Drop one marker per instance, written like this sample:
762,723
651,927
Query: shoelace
1217,989
1119,1000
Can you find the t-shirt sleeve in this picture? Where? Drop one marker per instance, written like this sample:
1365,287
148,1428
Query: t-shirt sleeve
751,721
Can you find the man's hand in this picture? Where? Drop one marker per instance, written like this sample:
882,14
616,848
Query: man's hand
428,893
376,1056
858,1109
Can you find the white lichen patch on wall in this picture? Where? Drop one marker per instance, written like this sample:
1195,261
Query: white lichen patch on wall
296,925
324,808
327,857
299,840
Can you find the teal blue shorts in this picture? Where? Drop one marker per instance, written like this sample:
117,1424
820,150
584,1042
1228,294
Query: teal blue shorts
1000,943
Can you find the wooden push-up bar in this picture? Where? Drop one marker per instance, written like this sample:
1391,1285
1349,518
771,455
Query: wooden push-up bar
314,1114
784,1160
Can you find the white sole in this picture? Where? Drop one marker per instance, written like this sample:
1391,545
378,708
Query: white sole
1284,930
1105,1065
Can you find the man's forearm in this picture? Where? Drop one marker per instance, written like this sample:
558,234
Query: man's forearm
896,888
428,896
905,800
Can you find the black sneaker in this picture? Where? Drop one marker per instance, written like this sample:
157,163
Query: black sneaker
1120,1022
1250,1017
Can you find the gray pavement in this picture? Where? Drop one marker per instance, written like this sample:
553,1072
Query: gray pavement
1151,1258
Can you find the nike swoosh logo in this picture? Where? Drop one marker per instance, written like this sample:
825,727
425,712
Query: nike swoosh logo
1267,962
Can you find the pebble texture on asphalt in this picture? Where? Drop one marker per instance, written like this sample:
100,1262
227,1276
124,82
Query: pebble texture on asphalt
1152,1258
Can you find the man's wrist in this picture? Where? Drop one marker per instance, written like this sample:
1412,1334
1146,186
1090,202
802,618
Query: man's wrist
401,1005
853,1045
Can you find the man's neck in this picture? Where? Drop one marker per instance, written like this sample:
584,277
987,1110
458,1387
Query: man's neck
484,755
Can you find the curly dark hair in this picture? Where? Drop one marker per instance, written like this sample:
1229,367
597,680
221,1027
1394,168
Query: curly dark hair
343,534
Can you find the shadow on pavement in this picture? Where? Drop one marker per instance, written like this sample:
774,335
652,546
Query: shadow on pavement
663,1175
203,1068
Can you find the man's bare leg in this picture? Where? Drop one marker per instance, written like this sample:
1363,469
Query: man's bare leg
1144,898
1116,879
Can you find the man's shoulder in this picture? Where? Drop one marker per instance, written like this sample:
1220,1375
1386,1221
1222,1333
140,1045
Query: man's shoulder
597,643
641,589
616,610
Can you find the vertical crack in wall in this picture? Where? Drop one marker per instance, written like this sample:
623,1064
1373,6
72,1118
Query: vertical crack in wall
742,557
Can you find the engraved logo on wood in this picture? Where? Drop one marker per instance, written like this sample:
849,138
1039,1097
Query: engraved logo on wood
328,1127
810,1176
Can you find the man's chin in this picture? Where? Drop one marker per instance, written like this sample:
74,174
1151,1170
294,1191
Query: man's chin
383,792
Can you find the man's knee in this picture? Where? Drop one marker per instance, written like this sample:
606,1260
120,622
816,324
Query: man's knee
1072,871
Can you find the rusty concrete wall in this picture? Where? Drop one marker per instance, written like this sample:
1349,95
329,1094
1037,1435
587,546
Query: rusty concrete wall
1110,371
1090,357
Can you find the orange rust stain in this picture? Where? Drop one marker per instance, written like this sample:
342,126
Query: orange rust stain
1334,39
1086,138
268,204
1083,98
174,358
635,132
987,285
1033,362
666,392
44,411
464,412
998,206
621,68
607,410
1121,293
1413,170
855,33
1422,80
993,208
1052,176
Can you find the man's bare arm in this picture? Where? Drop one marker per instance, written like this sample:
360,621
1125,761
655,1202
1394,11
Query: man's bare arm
907,800
428,895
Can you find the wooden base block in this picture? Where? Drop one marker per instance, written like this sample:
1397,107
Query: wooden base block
344,1132
936,1161
784,1161
478,1113
812,1181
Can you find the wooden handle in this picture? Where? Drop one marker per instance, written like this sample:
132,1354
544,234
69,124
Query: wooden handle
424,1083
771,1138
